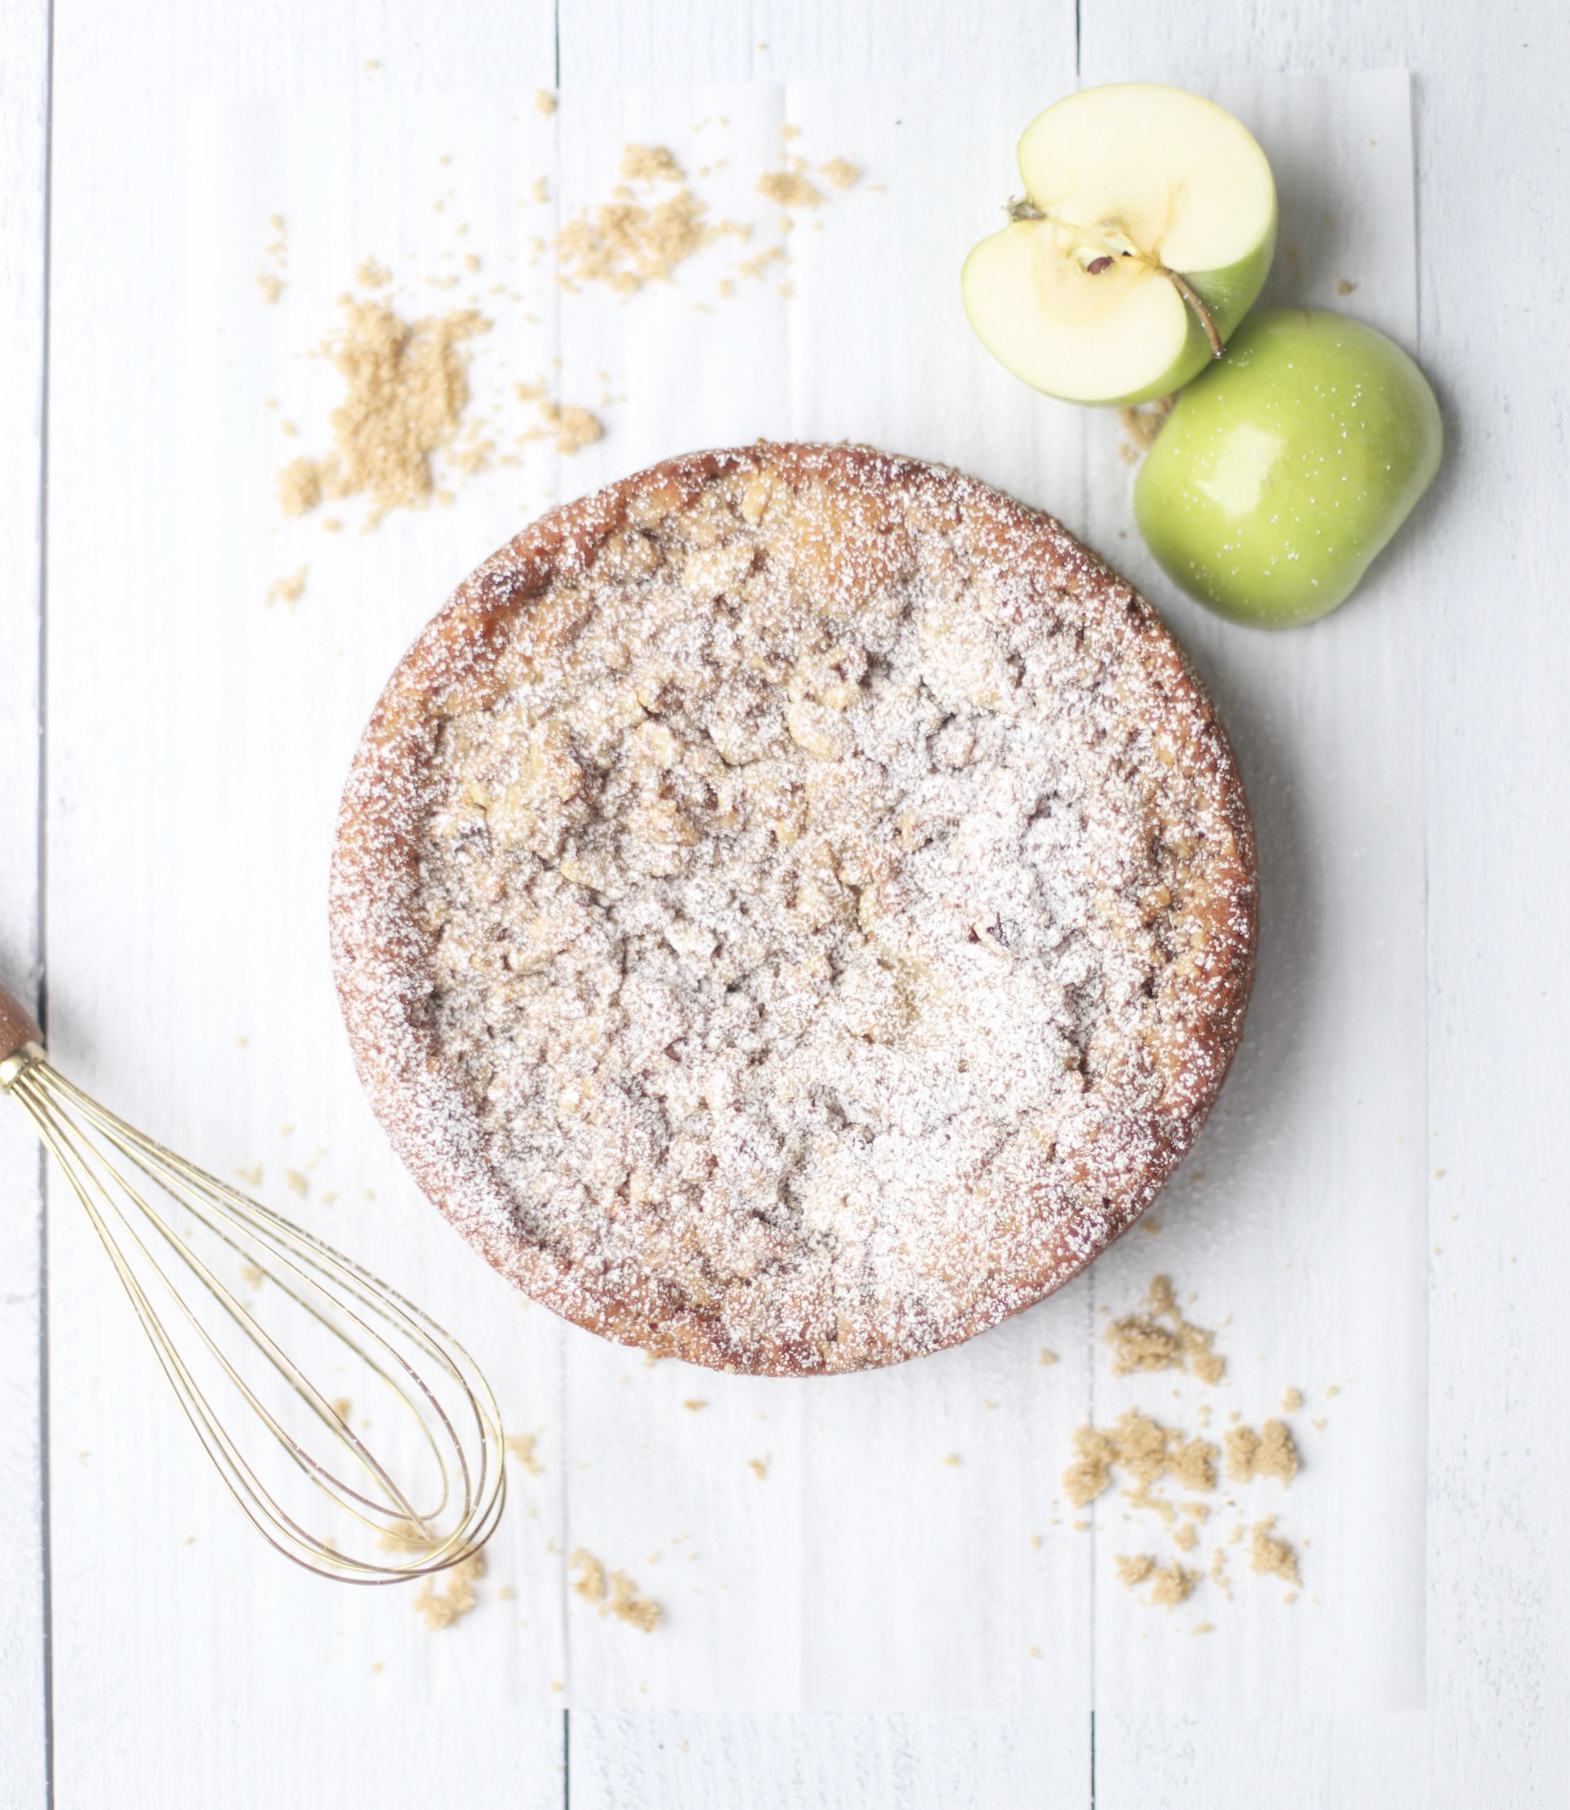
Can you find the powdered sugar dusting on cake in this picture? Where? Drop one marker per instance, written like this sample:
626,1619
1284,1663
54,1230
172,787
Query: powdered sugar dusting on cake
794,909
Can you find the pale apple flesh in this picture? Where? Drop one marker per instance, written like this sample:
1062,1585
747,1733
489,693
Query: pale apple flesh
1134,192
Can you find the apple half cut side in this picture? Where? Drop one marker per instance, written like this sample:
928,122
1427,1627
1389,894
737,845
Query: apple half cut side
1147,232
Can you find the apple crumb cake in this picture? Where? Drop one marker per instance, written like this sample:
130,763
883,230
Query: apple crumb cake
793,908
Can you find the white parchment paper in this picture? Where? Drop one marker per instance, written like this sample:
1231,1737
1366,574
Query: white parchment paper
908,1544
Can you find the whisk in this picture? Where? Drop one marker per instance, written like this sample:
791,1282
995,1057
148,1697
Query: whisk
428,1496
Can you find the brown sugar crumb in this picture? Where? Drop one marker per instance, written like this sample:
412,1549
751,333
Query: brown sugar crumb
759,1467
1090,1472
406,386
1272,1556
1140,426
1192,1463
370,274
287,590
695,1404
1291,1400
588,1580
1170,1584
626,1604
269,279
841,172
299,486
522,1447
440,1607
649,163
1186,1537
573,428
544,102
614,1592
1160,1338
786,188
1345,286
1132,1572
1047,1357
1267,1453
1203,1627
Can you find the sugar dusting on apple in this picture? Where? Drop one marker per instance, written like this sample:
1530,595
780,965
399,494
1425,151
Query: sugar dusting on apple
1281,474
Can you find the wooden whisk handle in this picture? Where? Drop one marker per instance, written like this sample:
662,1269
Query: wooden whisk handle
17,1026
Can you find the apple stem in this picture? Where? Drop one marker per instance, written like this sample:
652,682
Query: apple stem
1195,301
1025,209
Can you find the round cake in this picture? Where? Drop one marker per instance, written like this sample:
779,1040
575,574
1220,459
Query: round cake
793,908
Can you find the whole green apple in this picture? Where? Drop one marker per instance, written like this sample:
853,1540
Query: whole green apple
1285,468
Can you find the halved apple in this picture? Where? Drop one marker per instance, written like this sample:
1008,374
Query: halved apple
1147,231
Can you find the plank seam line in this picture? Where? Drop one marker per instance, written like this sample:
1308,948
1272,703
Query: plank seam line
41,818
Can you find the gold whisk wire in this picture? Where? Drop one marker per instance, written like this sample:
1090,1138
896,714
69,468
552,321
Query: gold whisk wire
118,1174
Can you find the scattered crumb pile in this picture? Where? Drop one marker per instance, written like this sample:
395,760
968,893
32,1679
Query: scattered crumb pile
447,1596
788,188
1170,1584
1160,1338
1267,1453
288,590
613,1593
406,385
407,381
641,235
1143,1448
1148,1454
521,1445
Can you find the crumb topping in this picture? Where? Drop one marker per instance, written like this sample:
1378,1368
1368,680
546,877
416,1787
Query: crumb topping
828,906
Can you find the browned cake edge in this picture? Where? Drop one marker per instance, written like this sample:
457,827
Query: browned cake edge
380,962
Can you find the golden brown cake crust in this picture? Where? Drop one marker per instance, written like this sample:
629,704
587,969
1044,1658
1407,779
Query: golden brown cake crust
987,649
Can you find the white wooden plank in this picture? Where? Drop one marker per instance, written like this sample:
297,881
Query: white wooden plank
24,134
1300,1216
862,1569
1483,552
1312,1762
201,743
815,41
635,1761
250,1757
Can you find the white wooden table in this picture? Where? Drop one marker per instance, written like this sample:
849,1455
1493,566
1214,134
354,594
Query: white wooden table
168,757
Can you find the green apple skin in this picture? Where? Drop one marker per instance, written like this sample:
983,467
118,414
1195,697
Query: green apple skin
1228,294
1285,469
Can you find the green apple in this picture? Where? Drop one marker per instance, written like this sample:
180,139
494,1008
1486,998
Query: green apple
1283,470
1147,231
